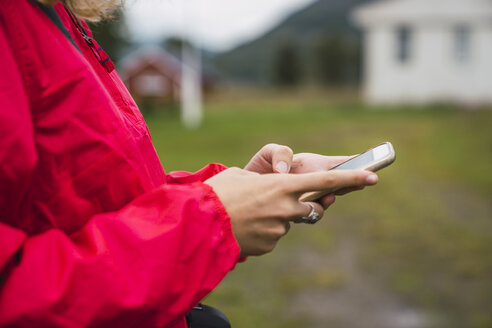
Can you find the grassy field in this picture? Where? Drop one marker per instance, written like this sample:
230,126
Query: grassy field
414,251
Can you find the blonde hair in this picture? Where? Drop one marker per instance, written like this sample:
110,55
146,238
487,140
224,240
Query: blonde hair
91,10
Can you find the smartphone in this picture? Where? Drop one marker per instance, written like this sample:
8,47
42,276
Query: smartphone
373,159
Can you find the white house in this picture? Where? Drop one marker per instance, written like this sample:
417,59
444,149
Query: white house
425,51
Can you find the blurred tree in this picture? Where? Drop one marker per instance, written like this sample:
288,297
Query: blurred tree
175,44
336,60
287,67
112,35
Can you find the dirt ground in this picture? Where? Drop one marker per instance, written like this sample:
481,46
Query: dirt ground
359,303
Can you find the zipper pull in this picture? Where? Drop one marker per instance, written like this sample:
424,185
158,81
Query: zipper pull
87,38
98,51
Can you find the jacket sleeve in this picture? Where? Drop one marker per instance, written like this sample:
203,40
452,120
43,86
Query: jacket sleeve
146,264
180,177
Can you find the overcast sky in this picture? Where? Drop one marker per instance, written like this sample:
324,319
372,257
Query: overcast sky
215,24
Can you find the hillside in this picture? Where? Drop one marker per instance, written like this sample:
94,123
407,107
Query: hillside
251,62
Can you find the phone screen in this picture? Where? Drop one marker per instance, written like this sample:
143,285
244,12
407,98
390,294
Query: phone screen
356,162
365,158
374,159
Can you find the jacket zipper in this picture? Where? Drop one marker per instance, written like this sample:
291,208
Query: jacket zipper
101,56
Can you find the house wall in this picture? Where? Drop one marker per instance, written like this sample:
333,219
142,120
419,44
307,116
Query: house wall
151,82
433,74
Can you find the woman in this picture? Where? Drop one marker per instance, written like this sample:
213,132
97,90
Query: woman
93,232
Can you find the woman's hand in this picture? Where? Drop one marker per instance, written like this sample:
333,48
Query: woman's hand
261,207
274,158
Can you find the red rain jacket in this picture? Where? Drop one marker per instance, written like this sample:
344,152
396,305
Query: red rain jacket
93,233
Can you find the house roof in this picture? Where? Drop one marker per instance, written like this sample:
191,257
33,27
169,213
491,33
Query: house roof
388,12
158,57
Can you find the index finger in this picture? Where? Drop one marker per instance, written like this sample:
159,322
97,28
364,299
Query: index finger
329,181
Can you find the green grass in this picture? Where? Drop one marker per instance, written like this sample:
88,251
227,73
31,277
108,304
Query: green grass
424,234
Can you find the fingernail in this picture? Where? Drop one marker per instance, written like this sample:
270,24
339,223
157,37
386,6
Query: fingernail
372,179
282,167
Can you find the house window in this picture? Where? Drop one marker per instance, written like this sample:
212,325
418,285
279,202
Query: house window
462,43
152,85
403,44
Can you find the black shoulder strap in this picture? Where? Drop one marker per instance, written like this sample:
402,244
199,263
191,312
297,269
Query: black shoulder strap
53,16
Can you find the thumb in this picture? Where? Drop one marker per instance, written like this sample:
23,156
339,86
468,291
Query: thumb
282,157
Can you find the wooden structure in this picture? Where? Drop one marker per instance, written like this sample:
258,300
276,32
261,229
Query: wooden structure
151,73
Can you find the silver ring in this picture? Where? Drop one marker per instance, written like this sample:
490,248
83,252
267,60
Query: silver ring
312,217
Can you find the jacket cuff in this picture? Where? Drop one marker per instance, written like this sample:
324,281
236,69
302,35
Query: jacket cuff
225,221
182,177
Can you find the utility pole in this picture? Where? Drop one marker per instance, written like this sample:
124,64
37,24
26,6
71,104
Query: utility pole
191,74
